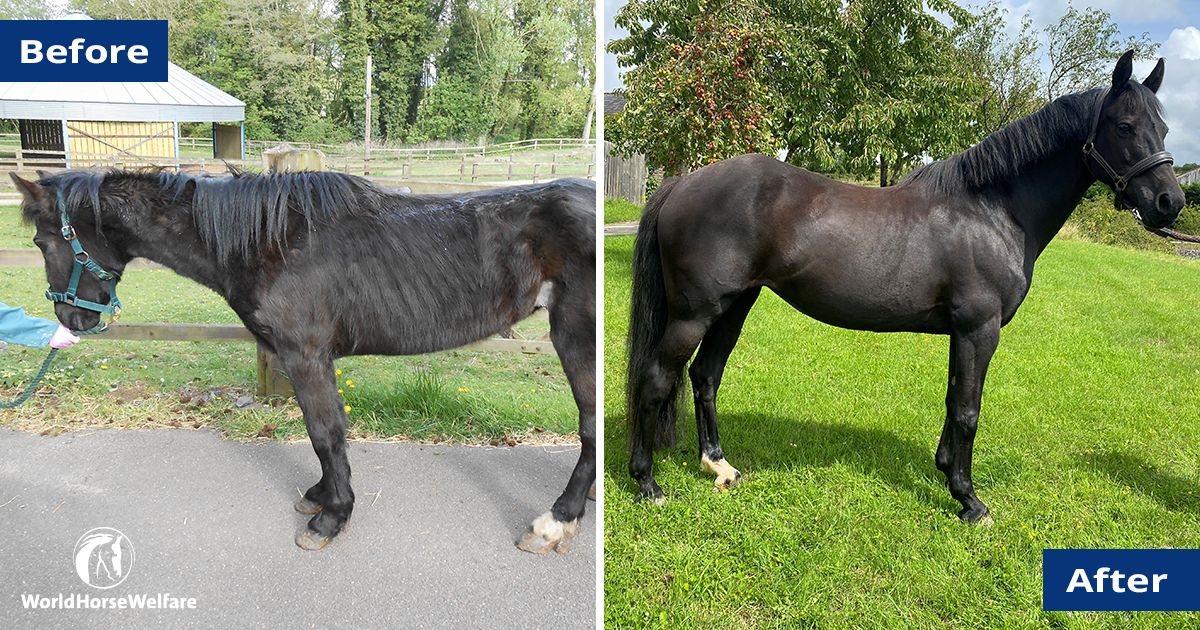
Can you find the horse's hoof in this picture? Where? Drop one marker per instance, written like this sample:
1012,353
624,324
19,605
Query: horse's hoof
310,540
977,516
728,477
304,506
547,534
656,495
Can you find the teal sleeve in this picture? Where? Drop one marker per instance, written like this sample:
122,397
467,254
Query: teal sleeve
23,330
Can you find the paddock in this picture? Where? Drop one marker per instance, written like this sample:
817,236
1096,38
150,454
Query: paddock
1088,439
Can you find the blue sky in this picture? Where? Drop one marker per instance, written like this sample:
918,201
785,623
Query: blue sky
1174,24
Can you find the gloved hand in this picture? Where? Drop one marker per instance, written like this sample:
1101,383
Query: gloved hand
63,338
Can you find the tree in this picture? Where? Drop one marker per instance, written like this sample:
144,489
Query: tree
900,94
1081,48
846,85
401,36
699,88
481,49
1008,66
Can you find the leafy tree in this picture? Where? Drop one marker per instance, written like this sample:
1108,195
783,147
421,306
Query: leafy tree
481,49
1008,66
401,37
1081,48
835,84
700,87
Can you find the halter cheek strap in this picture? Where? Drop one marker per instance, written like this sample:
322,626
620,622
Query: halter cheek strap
84,261
1119,180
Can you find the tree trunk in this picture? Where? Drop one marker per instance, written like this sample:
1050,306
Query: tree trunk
883,172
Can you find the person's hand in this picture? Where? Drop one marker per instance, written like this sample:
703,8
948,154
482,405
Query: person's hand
63,338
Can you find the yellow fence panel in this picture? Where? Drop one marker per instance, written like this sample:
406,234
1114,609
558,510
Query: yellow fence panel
94,143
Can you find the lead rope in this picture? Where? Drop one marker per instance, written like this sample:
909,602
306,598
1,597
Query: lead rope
37,379
41,373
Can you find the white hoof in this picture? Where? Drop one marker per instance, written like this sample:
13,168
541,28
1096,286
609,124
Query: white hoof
547,534
727,476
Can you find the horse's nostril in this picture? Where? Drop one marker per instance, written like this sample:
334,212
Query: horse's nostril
1165,202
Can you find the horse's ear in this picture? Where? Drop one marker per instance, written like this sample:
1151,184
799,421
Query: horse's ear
33,192
1123,71
42,174
1154,79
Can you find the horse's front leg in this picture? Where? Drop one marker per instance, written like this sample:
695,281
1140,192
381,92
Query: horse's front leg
572,329
331,500
973,346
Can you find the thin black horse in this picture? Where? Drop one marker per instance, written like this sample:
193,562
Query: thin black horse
325,265
949,251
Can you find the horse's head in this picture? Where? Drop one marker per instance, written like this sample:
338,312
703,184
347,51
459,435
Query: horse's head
1125,148
82,266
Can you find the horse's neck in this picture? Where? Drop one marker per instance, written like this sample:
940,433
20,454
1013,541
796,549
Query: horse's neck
1046,193
179,250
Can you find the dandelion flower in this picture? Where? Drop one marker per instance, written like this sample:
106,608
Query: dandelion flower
463,390
348,408
350,382
341,391
337,372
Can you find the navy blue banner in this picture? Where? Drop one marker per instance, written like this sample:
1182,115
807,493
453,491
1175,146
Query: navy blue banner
83,50
1121,579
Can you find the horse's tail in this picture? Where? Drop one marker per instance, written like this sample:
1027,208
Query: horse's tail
647,323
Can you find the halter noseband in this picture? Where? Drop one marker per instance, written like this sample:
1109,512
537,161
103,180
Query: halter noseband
84,261
1119,181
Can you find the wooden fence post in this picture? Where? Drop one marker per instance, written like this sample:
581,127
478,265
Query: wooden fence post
272,379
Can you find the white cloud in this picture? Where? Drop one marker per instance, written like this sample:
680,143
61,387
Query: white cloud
1183,43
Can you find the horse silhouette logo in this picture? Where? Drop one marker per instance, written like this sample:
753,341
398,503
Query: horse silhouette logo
103,557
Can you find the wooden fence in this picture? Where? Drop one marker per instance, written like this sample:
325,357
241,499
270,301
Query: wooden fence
430,170
624,177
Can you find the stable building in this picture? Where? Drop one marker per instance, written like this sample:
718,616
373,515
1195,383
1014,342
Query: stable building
125,124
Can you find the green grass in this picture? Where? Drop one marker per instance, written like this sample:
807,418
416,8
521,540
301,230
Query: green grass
620,211
458,396
1089,437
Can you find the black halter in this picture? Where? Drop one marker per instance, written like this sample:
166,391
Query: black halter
1119,181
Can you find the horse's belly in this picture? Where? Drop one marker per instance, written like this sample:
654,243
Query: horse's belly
899,307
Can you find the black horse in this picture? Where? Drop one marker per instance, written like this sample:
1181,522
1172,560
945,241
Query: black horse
949,251
325,265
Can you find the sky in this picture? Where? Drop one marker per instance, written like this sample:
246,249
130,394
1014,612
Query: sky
1174,24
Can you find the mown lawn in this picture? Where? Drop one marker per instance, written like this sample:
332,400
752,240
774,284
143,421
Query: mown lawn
1089,437
620,211
458,396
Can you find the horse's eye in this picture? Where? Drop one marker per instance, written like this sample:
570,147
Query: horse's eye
1125,128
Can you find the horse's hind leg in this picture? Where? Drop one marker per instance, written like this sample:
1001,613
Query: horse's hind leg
331,500
657,383
705,372
573,331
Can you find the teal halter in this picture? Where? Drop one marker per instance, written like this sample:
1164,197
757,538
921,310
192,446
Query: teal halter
84,261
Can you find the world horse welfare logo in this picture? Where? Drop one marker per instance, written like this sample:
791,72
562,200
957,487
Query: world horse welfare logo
103,557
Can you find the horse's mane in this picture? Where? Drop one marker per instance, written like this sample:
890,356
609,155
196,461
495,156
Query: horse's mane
233,214
1007,152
